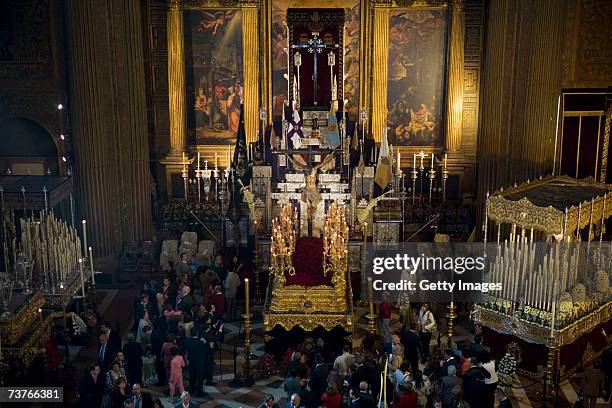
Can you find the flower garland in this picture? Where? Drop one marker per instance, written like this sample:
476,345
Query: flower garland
265,366
507,369
78,325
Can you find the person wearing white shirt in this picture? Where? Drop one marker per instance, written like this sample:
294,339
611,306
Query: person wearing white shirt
491,382
426,326
343,362
232,281
185,401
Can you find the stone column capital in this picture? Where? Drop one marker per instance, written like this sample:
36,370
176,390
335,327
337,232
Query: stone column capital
457,5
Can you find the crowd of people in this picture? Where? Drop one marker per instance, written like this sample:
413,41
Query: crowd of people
394,369
178,327
174,330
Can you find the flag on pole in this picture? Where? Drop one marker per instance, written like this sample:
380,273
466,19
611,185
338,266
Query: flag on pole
333,135
295,133
240,162
383,167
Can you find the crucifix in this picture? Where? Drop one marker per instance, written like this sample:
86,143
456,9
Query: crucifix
315,46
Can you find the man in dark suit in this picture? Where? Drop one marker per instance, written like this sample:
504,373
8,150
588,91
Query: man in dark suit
476,347
141,399
106,354
269,402
133,354
318,377
185,401
295,402
114,338
410,341
357,400
196,352
91,388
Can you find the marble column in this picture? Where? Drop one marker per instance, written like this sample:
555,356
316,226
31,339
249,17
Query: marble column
132,98
109,122
91,109
176,82
380,62
521,80
454,107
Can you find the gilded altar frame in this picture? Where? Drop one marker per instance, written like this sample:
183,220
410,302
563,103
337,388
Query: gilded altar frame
176,77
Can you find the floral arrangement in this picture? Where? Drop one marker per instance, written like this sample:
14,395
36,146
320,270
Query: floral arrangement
507,369
266,366
79,327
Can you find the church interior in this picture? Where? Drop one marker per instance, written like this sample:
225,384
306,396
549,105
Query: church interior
195,194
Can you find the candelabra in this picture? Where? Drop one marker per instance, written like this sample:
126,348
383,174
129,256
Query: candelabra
432,176
450,323
414,174
283,241
418,172
444,178
247,379
335,239
258,295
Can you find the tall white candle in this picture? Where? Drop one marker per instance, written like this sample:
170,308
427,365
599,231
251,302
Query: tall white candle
445,159
184,162
414,161
82,277
554,309
432,160
84,222
91,265
246,296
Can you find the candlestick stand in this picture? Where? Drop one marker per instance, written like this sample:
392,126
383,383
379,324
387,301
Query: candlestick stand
450,324
444,178
184,175
432,176
371,322
247,378
549,384
258,295
414,175
198,181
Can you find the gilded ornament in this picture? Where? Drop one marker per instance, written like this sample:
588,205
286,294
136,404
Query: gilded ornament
602,282
579,293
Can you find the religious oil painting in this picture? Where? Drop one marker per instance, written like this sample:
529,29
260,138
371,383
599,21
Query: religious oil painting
417,60
279,46
214,75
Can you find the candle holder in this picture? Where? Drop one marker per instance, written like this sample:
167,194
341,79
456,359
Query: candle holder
548,384
450,325
247,378
413,175
432,176
444,179
206,176
258,295
371,323
185,181
198,176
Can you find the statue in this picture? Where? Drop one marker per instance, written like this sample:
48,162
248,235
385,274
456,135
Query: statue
311,195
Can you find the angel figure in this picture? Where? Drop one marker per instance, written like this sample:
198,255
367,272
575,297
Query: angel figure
215,21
